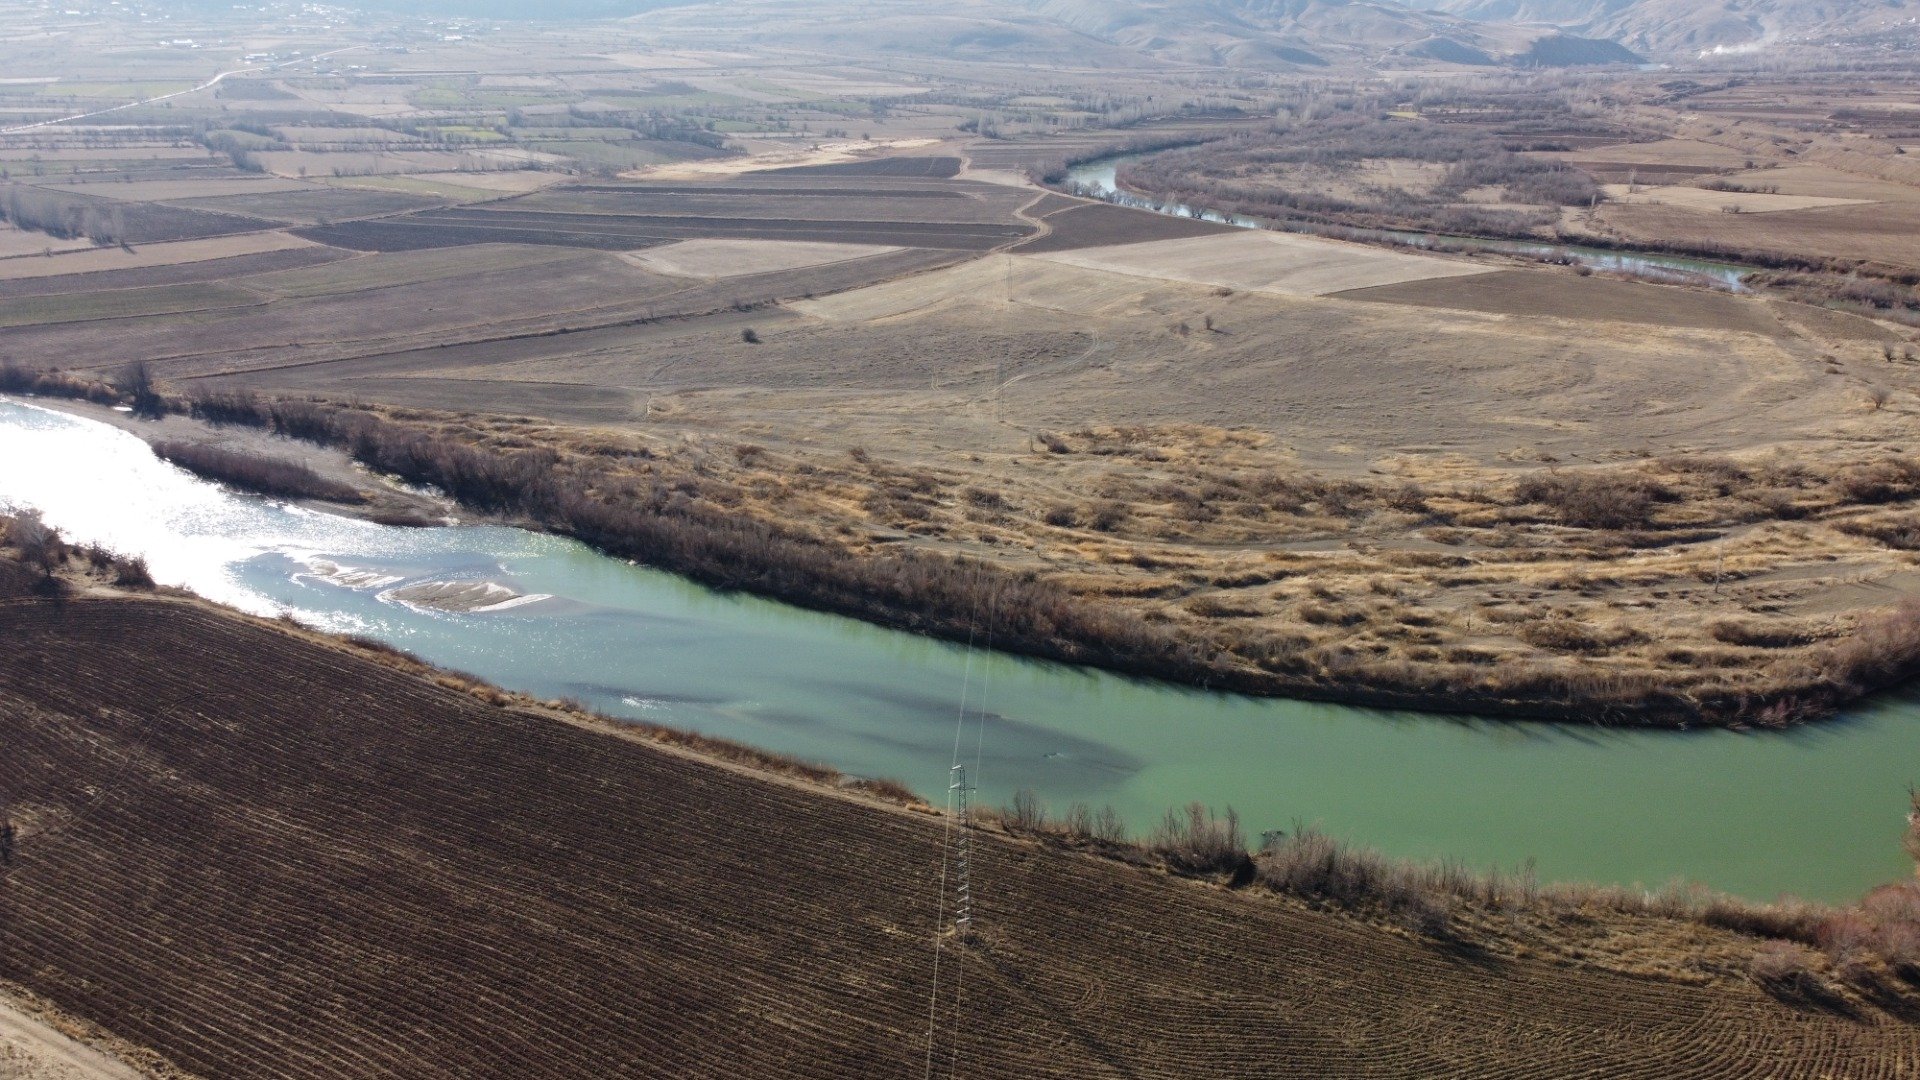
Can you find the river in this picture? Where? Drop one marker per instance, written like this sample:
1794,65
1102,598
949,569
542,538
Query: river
1816,812
1099,178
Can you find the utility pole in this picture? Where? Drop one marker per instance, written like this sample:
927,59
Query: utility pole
963,853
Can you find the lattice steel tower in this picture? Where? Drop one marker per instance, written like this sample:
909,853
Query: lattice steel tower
962,852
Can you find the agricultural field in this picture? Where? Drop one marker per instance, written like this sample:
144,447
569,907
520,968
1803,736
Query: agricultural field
122,304
76,264
561,876
737,258
1265,262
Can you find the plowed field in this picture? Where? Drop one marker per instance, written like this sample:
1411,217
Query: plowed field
264,856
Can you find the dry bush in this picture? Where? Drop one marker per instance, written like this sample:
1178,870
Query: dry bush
1772,503
1108,515
1197,842
1846,937
1309,864
1786,968
1326,615
1880,651
15,379
884,788
1408,498
132,573
39,544
266,476
1567,635
1216,606
1027,813
1893,912
1759,635
1891,480
1786,919
1594,500
1900,531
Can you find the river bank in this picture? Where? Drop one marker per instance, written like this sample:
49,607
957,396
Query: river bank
264,735
382,500
683,517
1687,935
637,644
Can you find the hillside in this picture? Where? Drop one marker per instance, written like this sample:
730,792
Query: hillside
1688,28
257,853
1263,35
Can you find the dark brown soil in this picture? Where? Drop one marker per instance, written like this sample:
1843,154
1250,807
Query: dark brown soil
1100,224
615,232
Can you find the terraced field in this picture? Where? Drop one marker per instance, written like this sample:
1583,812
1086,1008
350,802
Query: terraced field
263,855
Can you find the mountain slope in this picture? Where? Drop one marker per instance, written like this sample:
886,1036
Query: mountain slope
1266,33
1694,27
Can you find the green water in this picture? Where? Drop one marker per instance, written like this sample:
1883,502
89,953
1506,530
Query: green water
1817,812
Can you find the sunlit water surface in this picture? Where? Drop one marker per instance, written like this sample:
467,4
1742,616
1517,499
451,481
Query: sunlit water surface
1817,812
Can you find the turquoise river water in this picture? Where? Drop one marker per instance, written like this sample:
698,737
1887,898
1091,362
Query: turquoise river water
1816,812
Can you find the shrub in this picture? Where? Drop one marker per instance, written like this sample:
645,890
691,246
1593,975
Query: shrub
1060,515
138,384
267,476
1593,500
1895,479
1197,842
1562,635
1108,515
1783,967
15,379
887,789
1844,935
1309,864
39,544
1759,635
132,573
1879,651
1027,813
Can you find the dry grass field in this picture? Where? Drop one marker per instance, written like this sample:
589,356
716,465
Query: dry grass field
363,870
1265,262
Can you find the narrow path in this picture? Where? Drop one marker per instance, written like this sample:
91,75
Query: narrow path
32,1049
